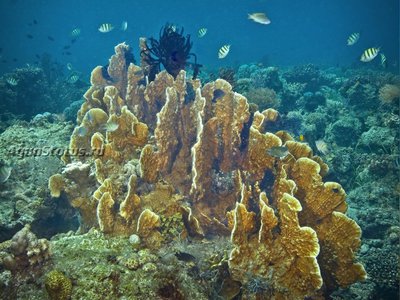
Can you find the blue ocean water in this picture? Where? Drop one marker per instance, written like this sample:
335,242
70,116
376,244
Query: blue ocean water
300,32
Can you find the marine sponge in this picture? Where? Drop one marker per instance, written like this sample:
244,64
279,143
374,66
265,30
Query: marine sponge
58,286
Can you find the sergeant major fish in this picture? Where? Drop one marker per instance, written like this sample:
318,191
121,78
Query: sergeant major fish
106,27
202,32
369,54
353,38
224,51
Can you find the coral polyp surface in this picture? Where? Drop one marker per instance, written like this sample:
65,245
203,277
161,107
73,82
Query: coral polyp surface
179,148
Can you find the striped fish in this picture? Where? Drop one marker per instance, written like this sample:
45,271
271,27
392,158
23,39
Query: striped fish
202,32
383,60
353,38
75,32
369,54
106,27
12,81
73,78
223,51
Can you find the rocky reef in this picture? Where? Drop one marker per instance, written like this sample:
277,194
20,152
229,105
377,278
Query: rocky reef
33,150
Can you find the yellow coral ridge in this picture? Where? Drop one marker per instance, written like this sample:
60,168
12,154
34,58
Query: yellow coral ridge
148,164
147,222
286,261
320,199
56,185
340,238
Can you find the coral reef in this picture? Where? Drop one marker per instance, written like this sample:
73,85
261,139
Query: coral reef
310,101
267,77
309,75
205,151
36,90
263,97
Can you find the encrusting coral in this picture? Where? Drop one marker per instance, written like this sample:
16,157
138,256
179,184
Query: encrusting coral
58,286
201,152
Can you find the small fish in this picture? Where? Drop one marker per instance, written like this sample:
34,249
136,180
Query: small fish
82,131
67,53
369,54
106,27
223,51
218,93
259,18
76,32
278,151
322,147
124,26
1,50
202,32
37,56
301,138
73,41
89,117
4,61
29,36
66,47
15,59
183,256
73,78
353,38
12,81
383,61
173,27
5,172
50,38
35,22
69,66
110,126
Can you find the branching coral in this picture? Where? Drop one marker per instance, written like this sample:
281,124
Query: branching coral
205,156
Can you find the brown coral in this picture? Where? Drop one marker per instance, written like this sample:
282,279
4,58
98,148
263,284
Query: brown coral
176,142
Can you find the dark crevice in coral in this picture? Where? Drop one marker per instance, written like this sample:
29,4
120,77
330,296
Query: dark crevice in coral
64,219
7,233
245,133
